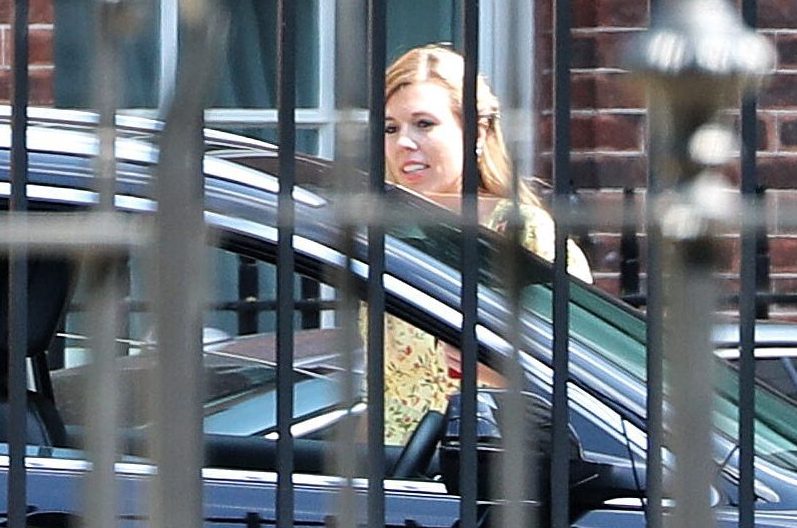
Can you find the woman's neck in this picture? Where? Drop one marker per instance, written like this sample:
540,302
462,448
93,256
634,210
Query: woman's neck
453,201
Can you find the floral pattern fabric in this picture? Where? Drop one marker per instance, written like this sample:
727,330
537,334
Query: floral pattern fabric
416,376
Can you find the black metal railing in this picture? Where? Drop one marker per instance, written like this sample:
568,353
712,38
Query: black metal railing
179,473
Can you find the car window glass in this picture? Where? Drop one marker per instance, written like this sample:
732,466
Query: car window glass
239,358
779,372
239,349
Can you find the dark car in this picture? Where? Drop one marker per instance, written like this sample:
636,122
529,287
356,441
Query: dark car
607,391
775,352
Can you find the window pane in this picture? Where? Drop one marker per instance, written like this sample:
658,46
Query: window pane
410,23
413,23
247,69
74,45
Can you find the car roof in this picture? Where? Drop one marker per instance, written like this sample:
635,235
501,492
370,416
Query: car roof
768,333
227,156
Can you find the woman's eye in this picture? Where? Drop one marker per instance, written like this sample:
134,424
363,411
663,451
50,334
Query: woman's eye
425,123
390,129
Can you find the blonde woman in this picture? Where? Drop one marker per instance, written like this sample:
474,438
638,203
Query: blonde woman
423,152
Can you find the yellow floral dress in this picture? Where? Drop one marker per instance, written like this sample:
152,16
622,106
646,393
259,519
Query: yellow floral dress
416,377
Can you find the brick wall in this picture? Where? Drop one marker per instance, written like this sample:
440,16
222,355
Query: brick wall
40,15
608,131
608,119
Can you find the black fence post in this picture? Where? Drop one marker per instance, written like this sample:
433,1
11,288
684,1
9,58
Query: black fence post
629,247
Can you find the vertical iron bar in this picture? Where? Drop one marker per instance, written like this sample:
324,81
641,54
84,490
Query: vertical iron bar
655,350
286,82
310,289
560,463
377,34
350,136
248,290
102,400
469,265
511,476
18,276
654,306
629,246
180,292
690,307
747,297
762,279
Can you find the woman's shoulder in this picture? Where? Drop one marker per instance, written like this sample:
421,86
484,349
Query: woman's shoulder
538,234
531,215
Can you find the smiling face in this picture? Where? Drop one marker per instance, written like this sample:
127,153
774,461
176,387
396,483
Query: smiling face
423,139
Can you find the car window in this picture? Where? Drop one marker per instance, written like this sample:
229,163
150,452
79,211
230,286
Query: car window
239,351
777,367
240,357
612,332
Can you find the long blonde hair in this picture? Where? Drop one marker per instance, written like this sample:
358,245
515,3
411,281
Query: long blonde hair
447,68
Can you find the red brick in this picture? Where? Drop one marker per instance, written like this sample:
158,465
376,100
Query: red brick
784,285
612,208
543,16
5,86
40,46
783,254
777,172
610,285
601,50
777,14
607,132
544,93
787,132
779,92
6,41
594,90
594,171
782,313
41,87
545,133
728,250
543,57
766,132
39,11
787,50
613,13
605,90
778,200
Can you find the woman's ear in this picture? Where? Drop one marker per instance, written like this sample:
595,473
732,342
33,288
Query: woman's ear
481,140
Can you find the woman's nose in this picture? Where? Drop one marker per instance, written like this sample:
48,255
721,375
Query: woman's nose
405,141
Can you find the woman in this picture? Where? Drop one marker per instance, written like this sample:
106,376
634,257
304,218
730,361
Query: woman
423,145
423,152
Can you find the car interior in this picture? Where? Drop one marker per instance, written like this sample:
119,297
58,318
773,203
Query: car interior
431,453
50,284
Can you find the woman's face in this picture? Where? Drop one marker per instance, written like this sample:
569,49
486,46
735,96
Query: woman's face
423,139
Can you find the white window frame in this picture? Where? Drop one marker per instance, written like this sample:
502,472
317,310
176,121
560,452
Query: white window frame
496,19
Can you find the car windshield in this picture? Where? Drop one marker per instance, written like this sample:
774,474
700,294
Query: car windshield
607,327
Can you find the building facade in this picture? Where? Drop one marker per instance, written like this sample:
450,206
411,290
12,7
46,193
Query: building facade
609,126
